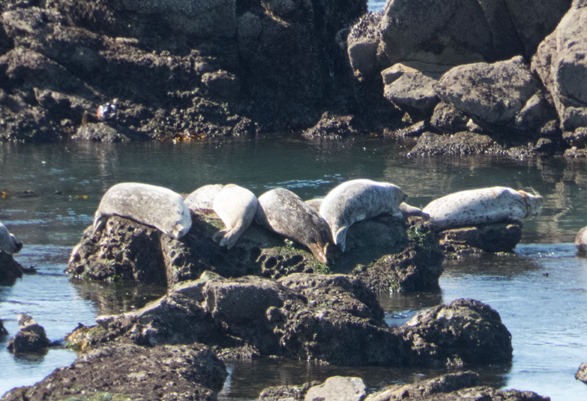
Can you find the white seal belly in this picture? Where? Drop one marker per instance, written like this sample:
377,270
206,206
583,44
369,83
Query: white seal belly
151,205
8,242
356,200
236,206
285,213
482,206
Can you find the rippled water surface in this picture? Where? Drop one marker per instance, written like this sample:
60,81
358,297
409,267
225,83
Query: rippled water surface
51,192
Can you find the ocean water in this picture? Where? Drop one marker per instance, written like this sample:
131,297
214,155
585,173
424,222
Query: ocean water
50,193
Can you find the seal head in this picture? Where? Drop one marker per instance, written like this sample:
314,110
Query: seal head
8,242
285,213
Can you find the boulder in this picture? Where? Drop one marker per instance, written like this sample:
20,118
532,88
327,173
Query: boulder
410,89
338,388
497,237
131,372
464,332
451,387
30,339
493,93
10,269
457,144
562,68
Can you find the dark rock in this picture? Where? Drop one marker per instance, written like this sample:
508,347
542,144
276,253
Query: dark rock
31,337
410,89
459,144
332,127
581,373
285,393
3,331
498,237
10,269
451,387
465,331
447,119
130,372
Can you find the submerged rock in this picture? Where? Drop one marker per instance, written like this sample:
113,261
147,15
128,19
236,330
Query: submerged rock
31,337
447,387
131,372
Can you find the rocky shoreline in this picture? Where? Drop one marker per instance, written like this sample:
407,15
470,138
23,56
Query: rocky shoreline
449,78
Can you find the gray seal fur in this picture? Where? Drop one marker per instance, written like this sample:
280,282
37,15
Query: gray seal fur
151,205
581,241
202,199
8,242
357,200
236,206
481,206
285,213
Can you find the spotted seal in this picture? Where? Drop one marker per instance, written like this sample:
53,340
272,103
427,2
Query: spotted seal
285,213
236,206
203,197
357,200
151,205
581,241
8,242
482,205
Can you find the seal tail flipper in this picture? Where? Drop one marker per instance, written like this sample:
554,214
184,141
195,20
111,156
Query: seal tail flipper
340,237
230,237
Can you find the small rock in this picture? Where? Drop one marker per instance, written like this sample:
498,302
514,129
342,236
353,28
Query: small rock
31,337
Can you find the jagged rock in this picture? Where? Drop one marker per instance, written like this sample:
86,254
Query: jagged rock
560,64
332,127
465,331
10,269
131,372
458,144
451,387
491,93
338,388
498,237
3,331
31,337
448,119
410,88
581,373
297,317
362,44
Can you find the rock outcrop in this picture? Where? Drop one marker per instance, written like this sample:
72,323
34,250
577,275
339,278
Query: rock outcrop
131,372
30,339
452,386
297,317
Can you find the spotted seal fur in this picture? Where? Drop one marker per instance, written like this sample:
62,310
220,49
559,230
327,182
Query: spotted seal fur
151,205
481,206
356,200
202,199
285,213
8,242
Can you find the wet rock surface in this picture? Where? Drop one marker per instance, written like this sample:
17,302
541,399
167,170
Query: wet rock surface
10,269
131,372
30,339
447,387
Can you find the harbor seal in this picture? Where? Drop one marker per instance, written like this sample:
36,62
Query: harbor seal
151,205
285,213
8,242
236,206
203,197
581,241
357,200
483,205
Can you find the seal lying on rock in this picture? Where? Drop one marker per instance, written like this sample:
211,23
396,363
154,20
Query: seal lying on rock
285,213
8,242
481,206
357,200
151,205
236,206
203,197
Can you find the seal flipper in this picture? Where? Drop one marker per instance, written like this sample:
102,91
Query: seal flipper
340,237
228,238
